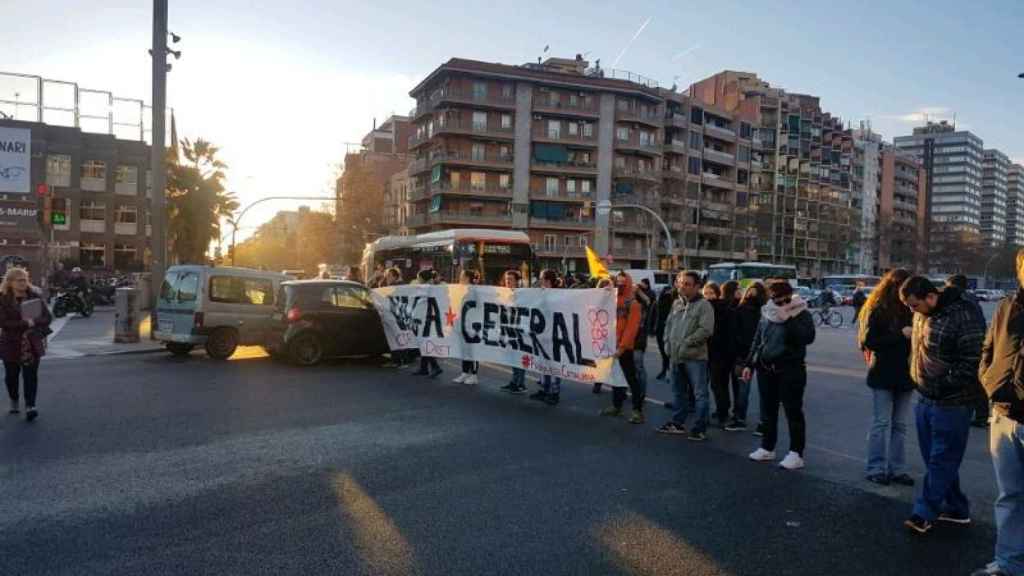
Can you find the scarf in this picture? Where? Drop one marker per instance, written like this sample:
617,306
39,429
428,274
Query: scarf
779,314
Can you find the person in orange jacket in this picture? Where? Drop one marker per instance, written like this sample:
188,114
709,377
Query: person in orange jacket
629,313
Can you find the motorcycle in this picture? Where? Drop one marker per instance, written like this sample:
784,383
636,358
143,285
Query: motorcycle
71,302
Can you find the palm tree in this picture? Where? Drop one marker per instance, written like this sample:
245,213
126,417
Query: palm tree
197,201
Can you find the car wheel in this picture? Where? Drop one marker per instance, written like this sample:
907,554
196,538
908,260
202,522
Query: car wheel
179,349
306,350
222,343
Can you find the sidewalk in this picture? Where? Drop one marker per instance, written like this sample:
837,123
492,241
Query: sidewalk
74,336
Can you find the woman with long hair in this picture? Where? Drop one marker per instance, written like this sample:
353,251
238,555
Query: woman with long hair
469,367
884,337
23,330
748,316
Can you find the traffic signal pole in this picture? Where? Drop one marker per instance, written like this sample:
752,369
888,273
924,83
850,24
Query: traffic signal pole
158,240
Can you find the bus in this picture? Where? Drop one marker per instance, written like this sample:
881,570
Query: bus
837,281
746,273
490,252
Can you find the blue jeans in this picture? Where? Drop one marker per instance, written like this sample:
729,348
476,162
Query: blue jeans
641,372
942,434
1006,443
686,376
552,384
519,377
886,454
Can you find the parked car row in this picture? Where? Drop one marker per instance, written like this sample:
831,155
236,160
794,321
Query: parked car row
988,295
305,321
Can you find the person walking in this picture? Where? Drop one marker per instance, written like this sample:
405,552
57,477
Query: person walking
721,350
1002,378
629,314
959,281
22,338
551,386
663,308
778,354
469,368
511,280
748,316
944,358
884,336
429,366
857,299
690,325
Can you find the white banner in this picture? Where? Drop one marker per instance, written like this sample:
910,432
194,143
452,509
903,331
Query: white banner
15,160
564,333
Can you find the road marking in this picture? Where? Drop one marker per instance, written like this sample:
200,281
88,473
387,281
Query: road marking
57,325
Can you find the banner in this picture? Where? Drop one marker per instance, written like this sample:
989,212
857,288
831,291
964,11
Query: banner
22,216
15,160
564,333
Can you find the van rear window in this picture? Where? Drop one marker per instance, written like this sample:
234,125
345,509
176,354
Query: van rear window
188,287
169,289
235,290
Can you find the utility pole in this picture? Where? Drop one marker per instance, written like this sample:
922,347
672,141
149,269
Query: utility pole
158,201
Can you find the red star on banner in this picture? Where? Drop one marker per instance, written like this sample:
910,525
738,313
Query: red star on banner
450,316
526,360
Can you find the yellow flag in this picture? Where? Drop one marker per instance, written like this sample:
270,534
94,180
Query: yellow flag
597,268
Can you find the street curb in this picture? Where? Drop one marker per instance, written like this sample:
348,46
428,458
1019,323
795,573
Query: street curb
125,352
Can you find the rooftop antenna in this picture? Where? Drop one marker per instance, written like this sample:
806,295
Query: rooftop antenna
954,121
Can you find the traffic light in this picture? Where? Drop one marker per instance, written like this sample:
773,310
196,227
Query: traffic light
48,210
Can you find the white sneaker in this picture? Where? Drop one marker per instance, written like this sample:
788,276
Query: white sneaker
792,461
471,380
461,378
762,455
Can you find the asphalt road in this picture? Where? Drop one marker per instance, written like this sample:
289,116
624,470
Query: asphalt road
148,464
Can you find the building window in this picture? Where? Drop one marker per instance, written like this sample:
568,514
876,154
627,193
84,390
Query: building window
569,241
583,241
506,91
126,214
504,153
743,153
550,242
92,255
455,178
479,121
551,186
622,133
741,176
646,138
58,170
554,129
125,256
94,175
622,105
745,130
570,186
697,115
585,187
479,90
504,181
506,121
90,210
479,152
693,165
574,129
574,101
696,140
126,181
477,180
588,129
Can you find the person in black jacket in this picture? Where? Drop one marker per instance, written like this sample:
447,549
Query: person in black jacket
944,358
1002,376
721,350
663,309
748,316
981,408
884,337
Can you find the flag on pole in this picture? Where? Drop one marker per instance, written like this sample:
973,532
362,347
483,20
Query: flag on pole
597,267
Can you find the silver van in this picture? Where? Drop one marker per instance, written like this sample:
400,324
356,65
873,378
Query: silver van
219,308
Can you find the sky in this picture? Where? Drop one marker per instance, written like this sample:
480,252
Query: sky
284,88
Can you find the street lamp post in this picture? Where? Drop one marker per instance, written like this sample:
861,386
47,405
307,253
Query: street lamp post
604,207
238,219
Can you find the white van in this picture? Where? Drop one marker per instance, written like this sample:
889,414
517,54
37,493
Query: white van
219,308
658,278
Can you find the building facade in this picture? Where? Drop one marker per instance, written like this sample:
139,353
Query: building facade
1014,206
902,210
865,184
994,171
100,188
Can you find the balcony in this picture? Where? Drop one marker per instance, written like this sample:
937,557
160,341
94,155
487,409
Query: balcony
543,105
712,179
720,132
489,129
562,196
562,224
463,159
632,225
719,156
416,220
458,96
675,147
489,191
470,218
91,184
650,175
674,172
633,145
556,251
96,226
563,137
126,228
651,118
677,120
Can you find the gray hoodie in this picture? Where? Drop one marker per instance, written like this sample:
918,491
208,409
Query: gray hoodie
689,327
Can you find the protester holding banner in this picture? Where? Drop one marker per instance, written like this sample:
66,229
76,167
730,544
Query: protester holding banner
551,386
690,325
469,368
629,314
393,277
511,280
603,283
428,364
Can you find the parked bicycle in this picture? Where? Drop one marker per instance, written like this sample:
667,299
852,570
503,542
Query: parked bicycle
827,316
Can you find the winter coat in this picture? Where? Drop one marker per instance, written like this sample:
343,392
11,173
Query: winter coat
783,335
646,300
690,325
748,316
13,328
946,351
722,347
889,364
664,308
1002,366
629,313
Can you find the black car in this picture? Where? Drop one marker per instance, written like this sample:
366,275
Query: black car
318,319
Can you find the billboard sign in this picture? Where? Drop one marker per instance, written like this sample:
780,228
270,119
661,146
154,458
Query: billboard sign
15,160
22,216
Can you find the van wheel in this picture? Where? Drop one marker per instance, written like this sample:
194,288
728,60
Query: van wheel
306,350
179,349
221,344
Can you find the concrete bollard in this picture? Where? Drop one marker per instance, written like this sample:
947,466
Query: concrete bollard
127,318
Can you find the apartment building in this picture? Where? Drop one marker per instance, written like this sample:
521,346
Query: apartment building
1014,206
800,202
100,186
537,147
901,210
392,136
994,171
865,184
396,200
